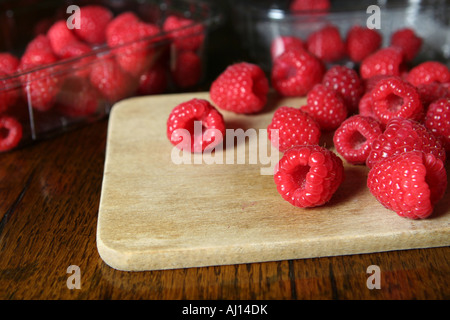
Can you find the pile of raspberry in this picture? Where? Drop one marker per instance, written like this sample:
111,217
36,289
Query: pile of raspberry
386,113
72,72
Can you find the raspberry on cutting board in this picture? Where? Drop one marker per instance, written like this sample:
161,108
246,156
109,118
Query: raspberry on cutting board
428,72
385,61
308,176
186,116
402,135
347,83
326,44
395,98
241,88
437,120
409,183
326,107
354,137
295,72
362,42
294,126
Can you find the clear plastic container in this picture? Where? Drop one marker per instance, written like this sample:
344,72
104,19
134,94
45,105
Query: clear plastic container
49,99
258,23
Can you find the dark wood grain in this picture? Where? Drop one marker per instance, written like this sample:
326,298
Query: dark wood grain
50,193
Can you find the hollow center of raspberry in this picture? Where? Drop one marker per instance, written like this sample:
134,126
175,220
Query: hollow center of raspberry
4,132
394,103
357,140
299,175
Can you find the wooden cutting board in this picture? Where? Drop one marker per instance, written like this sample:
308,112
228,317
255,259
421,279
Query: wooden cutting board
156,214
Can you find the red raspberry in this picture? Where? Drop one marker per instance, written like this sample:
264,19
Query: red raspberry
402,135
365,106
10,133
241,88
8,92
362,42
326,107
60,37
187,116
8,63
353,139
185,33
410,183
308,176
295,72
294,126
393,97
75,49
93,22
309,5
77,98
153,81
347,83
370,83
284,43
38,52
386,61
431,92
326,44
187,71
437,120
131,40
428,72
407,40
111,81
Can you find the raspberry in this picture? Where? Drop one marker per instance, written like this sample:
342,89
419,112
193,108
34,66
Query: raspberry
362,42
93,22
326,44
410,183
370,83
8,92
365,106
407,40
309,5
189,115
386,61
111,81
188,69
402,135
284,43
393,97
326,107
128,36
295,72
8,63
431,92
185,33
10,133
347,83
294,126
77,98
428,72
353,139
153,81
308,176
437,120
60,36
38,52
241,88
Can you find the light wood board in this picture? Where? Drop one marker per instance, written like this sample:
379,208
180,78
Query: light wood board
155,214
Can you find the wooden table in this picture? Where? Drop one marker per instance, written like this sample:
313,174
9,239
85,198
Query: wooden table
50,194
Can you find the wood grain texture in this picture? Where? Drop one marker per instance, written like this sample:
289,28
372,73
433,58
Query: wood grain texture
155,214
51,192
